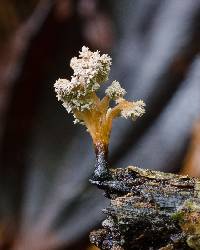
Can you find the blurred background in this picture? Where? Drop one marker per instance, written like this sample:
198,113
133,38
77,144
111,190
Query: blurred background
46,200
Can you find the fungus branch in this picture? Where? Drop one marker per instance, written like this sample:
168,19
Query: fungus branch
79,97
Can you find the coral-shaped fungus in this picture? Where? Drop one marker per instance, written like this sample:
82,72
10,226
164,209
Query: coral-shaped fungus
79,97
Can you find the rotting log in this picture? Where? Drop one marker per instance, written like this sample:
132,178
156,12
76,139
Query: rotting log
149,210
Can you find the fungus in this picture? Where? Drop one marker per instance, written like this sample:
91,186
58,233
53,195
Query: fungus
79,97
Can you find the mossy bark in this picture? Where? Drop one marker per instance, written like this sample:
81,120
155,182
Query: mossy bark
149,210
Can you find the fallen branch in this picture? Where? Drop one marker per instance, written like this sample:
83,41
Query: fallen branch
149,210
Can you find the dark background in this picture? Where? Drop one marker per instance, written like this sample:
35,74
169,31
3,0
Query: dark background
46,201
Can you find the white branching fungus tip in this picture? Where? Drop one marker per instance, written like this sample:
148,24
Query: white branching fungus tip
90,70
91,67
79,98
115,91
133,110
62,87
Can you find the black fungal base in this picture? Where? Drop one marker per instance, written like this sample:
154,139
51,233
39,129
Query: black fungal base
101,171
144,210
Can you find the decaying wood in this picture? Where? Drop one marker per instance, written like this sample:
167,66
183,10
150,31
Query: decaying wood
149,210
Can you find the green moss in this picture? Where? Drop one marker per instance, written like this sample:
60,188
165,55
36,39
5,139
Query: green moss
178,216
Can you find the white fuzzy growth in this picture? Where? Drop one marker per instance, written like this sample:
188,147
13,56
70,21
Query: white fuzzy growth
90,69
134,110
115,91
62,87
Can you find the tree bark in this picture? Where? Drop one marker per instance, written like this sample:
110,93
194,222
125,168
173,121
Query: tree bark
149,210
